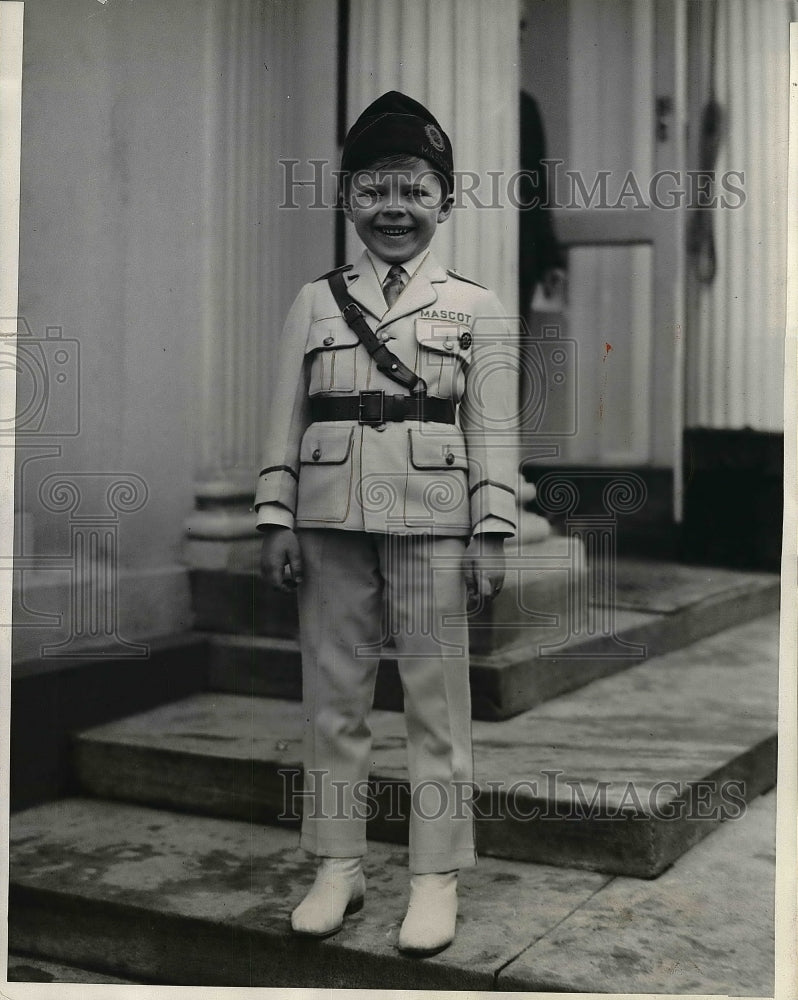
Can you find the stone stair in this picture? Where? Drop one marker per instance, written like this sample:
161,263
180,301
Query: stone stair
654,608
176,862
696,719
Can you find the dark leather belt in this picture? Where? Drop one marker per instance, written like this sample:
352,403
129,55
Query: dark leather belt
378,408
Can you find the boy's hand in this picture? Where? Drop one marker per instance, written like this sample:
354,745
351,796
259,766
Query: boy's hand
281,559
483,565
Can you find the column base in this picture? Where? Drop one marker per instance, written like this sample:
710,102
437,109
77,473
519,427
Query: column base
532,528
535,607
239,555
222,537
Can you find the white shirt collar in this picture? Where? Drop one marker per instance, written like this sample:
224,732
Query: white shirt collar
382,267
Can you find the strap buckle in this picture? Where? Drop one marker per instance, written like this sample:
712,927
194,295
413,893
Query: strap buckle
371,408
356,312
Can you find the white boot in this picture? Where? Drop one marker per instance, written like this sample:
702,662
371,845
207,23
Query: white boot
431,914
339,889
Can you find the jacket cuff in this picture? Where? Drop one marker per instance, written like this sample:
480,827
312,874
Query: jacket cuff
277,484
494,525
492,499
273,514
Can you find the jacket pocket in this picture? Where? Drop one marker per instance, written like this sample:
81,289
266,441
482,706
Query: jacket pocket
332,348
437,481
433,449
442,358
325,473
446,337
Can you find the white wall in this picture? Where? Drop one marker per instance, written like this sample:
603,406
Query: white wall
113,245
112,112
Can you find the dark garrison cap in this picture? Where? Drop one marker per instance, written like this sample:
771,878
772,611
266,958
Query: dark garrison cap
395,123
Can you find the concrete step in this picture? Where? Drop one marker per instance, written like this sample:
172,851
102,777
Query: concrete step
646,761
32,969
536,595
163,898
657,607
51,698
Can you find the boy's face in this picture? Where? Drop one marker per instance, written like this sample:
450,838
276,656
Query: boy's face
396,210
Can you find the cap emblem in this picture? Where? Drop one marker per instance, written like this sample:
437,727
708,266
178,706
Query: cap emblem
435,137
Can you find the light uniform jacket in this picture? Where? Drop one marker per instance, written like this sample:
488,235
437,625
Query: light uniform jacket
405,476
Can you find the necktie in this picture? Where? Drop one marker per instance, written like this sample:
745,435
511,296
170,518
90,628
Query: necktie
394,283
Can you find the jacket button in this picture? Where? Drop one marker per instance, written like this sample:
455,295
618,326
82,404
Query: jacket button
328,341
450,458
316,454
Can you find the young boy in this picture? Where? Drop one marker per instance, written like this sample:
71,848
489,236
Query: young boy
385,484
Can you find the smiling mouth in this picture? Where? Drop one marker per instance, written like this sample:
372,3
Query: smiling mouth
394,231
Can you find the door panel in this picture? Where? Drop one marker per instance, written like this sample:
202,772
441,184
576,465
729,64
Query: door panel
610,318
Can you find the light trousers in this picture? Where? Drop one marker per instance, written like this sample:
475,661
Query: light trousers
358,588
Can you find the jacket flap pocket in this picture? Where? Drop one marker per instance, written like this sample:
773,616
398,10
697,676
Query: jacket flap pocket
330,334
326,444
437,450
447,337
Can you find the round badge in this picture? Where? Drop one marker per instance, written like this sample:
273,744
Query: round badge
465,340
435,137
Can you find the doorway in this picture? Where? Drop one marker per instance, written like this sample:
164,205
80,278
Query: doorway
609,81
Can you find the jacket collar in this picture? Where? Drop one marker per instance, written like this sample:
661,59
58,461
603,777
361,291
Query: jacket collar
364,287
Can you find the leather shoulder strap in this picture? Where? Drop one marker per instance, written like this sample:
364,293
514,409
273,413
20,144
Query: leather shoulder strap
455,274
387,361
336,270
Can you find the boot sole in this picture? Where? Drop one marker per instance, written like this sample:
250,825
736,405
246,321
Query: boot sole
353,906
423,952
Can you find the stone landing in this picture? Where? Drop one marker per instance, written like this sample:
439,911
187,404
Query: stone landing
158,897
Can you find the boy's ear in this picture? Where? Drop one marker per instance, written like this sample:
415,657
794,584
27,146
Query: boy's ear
446,209
347,208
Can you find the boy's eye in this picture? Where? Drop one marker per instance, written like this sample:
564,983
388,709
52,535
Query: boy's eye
424,196
365,197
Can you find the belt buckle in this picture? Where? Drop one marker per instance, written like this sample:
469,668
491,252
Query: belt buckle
367,412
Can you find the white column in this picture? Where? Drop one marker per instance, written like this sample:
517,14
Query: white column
460,59
261,109
736,332
237,132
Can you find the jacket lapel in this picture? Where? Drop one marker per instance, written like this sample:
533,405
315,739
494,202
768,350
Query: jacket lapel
418,293
364,287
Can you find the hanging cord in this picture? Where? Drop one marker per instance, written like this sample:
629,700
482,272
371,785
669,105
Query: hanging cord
701,235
